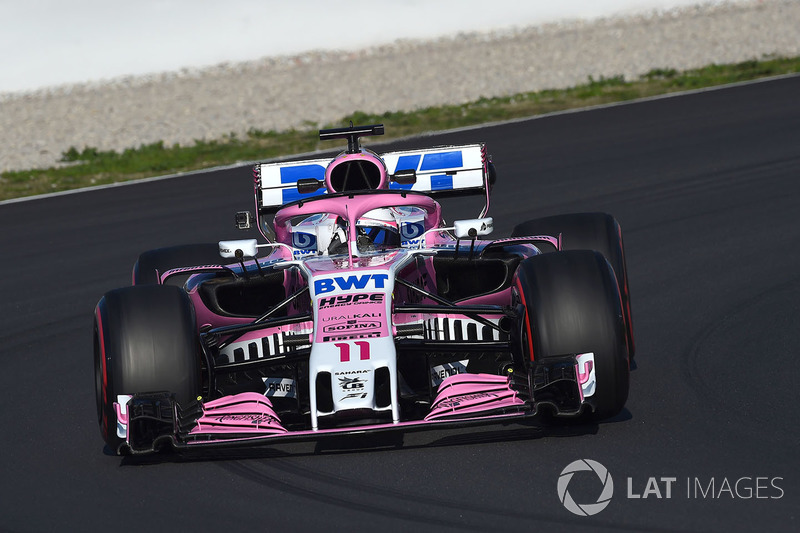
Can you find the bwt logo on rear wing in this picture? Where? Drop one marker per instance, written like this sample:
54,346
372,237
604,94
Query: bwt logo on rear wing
441,170
447,170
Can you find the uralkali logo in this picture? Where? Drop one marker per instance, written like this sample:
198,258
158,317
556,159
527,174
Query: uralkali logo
585,509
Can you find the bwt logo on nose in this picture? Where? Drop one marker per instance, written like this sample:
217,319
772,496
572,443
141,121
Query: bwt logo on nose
322,286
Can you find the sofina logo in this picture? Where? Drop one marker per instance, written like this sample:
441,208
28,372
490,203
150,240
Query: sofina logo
585,509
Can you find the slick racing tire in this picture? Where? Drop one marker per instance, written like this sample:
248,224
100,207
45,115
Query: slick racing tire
589,231
144,341
153,263
572,306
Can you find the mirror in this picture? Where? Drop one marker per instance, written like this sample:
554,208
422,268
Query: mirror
405,177
470,229
244,247
308,185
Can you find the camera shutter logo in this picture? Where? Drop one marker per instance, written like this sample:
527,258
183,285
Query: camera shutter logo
585,509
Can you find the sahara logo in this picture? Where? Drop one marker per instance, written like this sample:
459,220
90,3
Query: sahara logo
585,509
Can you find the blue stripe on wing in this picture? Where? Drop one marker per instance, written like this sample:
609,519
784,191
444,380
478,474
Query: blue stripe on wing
408,162
293,174
441,182
442,161
292,194
405,162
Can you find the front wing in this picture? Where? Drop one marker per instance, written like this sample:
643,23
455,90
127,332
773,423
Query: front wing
561,386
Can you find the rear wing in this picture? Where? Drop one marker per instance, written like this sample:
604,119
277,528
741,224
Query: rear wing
441,171
276,183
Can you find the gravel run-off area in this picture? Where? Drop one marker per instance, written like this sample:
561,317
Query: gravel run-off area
318,87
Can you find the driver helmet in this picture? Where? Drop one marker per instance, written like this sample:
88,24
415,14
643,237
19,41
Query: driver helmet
336,238
378,230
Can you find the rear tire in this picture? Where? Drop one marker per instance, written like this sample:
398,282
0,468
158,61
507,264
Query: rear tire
153,263
572,306
589,231
144,341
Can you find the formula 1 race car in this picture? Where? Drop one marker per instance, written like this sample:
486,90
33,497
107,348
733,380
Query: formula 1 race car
363,311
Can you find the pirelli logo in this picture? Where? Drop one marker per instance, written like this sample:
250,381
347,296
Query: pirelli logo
350,336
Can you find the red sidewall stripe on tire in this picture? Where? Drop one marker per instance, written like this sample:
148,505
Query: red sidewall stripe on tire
101,339
625,296
527,317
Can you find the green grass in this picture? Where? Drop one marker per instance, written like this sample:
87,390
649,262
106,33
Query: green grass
90,166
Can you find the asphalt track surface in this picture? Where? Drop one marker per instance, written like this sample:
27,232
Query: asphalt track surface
706,187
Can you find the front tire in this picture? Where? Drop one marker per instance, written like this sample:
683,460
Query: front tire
572,306
590,231
153,263
144,341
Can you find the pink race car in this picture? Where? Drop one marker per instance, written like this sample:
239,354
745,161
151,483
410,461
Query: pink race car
363,311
